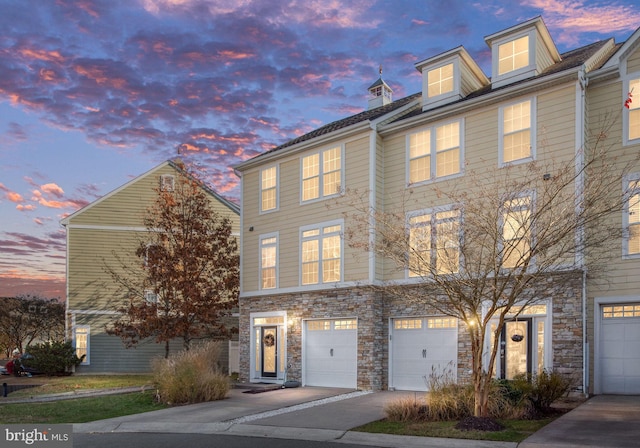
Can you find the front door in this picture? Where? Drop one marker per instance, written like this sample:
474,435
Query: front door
269,351
515,348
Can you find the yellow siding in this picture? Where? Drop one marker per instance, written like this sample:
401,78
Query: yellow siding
111,228
633,63
555,129
292,215
621,274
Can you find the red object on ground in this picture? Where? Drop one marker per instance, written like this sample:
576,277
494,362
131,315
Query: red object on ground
9,367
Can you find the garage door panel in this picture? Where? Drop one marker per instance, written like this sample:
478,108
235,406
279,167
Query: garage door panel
418,351
619,349
330,353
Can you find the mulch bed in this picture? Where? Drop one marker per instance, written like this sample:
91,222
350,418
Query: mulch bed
479,424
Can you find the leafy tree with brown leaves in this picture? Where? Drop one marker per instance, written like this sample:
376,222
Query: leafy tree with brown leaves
487,256
190,274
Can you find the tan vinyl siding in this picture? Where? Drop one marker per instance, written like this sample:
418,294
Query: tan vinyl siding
91,253
543,57
125,207
292,215
555,125
620,276
633,64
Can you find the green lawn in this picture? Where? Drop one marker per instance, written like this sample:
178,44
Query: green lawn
79,410
515,430
61,384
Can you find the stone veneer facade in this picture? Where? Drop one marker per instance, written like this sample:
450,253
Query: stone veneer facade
373,311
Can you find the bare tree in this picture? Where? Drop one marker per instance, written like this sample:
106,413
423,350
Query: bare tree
186,279
29,318
482,258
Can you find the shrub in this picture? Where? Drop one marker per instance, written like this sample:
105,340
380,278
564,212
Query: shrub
52,358
191,376
544,388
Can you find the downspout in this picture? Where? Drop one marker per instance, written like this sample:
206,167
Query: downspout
583,82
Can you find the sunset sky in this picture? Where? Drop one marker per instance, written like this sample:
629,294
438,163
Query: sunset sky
96,92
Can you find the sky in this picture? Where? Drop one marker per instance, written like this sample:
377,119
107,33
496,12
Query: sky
94,93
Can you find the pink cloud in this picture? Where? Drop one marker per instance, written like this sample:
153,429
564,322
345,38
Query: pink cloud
25,207
53,189
574,17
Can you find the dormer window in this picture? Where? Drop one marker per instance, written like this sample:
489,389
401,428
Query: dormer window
513,55
440,80
521,52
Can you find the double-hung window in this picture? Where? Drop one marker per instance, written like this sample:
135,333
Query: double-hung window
269,261
434,152
321,248
632,218
434,243
516,232
269,189
322,174
516,124
633,115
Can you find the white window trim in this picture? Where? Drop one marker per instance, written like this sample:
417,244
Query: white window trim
532,241
275,235
277,207
86,361
167,182
433,101
320,152
518,74
432,225
433,154
532,132
625,116
625,218
337,222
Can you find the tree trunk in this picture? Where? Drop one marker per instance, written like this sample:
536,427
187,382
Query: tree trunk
166,349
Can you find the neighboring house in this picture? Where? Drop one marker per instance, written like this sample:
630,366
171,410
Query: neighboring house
98,235
305,310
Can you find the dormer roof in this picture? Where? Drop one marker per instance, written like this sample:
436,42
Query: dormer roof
466,77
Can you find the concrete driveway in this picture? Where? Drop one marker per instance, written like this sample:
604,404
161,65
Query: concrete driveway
328,414
602,421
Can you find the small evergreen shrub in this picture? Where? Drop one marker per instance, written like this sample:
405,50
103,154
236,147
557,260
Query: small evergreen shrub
191,376
52,358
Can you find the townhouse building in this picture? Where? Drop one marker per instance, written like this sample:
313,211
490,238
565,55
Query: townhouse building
307,311
102,238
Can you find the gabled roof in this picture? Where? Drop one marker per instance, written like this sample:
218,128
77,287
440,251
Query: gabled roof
175,164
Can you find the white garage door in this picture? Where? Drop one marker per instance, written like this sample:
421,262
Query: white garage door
330,353
620,349
420,347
